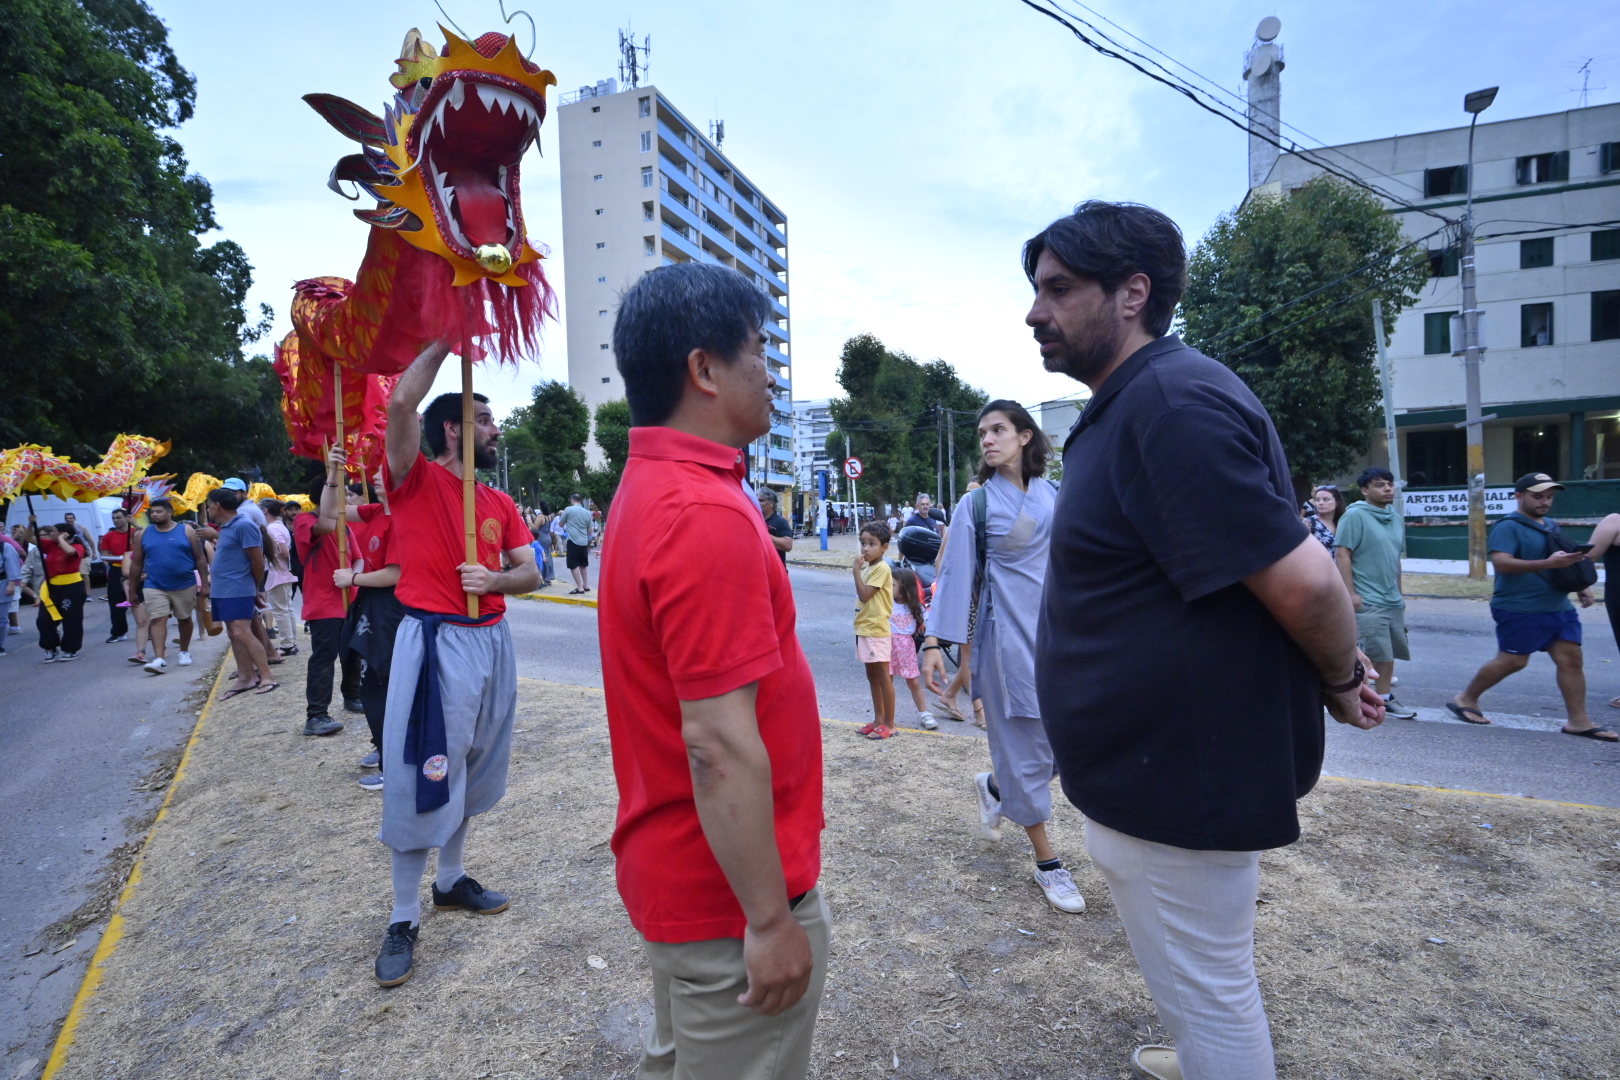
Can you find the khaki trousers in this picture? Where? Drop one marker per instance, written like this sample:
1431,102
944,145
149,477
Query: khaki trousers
701,1033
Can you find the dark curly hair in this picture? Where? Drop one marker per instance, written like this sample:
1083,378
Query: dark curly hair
1108,242
878,529
1036,452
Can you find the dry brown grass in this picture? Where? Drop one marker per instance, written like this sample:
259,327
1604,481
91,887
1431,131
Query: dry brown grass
252,935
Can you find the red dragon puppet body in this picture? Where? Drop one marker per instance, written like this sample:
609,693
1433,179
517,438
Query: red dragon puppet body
447,260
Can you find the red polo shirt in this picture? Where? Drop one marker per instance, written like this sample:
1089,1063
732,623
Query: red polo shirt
695,604
322,599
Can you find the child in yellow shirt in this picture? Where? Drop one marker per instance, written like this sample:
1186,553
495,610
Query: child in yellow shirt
874,586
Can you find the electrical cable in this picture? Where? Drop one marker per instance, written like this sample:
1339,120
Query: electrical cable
1193,94
1323,147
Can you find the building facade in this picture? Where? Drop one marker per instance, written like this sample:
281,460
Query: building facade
1547,253
642,187
812,423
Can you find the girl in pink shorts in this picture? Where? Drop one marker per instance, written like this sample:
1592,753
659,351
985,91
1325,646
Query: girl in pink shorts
905,632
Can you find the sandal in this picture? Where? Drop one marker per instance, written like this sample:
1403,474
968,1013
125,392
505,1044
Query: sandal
1601,734
882,733
265,688
1461,712
227,695
949,710
866,729
138,658
290,650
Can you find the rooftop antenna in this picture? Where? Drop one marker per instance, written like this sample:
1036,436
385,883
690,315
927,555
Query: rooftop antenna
717,132
633,58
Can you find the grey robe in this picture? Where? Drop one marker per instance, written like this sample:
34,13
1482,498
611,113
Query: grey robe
1018,530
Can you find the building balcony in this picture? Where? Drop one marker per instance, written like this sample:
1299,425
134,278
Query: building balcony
687,246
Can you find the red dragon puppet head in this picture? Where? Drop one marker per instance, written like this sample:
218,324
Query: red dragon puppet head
442,161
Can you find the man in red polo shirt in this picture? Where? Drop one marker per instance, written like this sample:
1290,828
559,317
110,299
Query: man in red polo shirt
711,705
325,605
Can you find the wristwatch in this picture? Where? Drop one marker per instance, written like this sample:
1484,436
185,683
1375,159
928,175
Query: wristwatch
1358,677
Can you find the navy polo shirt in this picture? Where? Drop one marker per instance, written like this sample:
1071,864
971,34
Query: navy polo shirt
1178,709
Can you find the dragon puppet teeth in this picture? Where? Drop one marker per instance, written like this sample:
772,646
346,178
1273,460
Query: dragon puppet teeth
458,94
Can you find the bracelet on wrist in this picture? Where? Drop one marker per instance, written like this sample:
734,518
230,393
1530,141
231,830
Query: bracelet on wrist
925,648
1357,677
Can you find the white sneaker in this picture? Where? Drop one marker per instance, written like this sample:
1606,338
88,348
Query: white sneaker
185,659
157,665
928,721
1060,889
989,807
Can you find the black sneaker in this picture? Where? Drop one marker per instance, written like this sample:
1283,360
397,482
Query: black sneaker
321,725
468,895
51,656
65,657
353,706
396,960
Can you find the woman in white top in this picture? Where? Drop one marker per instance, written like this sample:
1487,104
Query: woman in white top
279,579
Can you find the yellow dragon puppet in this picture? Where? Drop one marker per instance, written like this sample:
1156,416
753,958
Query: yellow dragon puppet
448,259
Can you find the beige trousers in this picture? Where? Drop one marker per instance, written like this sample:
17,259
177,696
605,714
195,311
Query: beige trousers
701,1033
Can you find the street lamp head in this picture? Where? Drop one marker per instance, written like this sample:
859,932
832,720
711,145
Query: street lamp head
1479,100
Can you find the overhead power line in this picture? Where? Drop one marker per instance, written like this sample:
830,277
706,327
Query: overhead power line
1124,55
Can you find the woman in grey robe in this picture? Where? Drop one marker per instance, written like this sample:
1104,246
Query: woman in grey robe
998,616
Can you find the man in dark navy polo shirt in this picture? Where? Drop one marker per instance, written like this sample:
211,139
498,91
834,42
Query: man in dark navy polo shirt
1183,660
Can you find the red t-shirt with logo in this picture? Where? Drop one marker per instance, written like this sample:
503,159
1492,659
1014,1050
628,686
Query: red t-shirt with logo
322,599
375,529
58,562
678,625
429,543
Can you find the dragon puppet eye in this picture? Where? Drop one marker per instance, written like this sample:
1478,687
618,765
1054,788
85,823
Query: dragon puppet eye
424,83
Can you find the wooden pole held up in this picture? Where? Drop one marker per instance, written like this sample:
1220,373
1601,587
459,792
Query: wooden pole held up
343,486
468,481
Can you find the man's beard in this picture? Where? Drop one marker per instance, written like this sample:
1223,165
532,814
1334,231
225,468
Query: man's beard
1100,340
484,456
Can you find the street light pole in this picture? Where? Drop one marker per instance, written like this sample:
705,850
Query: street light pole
1474,103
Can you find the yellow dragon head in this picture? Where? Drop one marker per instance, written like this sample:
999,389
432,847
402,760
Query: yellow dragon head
442,161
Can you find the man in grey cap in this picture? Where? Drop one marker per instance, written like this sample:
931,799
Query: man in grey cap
1533,614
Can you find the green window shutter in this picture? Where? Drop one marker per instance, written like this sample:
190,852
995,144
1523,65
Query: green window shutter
1437,332
1560,165
1606,244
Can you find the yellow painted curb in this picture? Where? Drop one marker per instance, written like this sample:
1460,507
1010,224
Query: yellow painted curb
115,925
558,598
1460,791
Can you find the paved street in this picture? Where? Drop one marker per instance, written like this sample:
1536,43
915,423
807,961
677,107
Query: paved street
78,739
1523,754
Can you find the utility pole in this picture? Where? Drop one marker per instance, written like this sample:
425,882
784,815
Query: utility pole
1474,104
950,444
939,452
1390,436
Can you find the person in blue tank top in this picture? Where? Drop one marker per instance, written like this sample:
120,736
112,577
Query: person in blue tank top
170,556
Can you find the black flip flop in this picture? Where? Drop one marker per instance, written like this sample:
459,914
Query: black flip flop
1593,733
1461,712
227,695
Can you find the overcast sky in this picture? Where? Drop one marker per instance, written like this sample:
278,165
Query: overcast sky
913,146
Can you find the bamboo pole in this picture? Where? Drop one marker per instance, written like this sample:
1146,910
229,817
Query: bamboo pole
343,486
468,481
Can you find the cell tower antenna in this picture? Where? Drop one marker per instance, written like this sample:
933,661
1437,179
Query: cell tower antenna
633,58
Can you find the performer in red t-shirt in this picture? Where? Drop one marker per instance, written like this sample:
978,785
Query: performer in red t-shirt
114,546
373,618
62,596
711,704
452,694
324,605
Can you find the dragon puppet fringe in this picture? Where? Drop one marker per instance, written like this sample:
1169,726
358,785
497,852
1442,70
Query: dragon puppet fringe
448,259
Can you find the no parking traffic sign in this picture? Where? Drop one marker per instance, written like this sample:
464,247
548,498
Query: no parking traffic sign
852,468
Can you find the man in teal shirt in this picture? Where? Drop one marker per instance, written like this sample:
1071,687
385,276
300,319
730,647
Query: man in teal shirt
576,521
1531,615
1367,548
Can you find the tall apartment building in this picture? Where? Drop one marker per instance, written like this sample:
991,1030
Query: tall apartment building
1548,275
643,187
812,423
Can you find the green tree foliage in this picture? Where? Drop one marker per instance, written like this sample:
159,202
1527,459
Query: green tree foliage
117,318
1312,364
613,437
545,443
888,419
